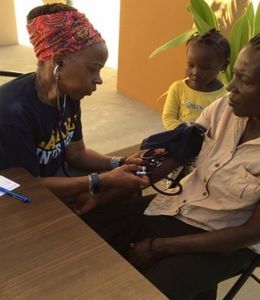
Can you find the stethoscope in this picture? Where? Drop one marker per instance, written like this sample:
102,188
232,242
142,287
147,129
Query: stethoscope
152,161
61,113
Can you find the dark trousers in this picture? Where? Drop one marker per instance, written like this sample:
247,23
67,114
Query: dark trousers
179,277
189,276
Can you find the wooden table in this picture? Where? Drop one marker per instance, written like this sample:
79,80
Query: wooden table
47,252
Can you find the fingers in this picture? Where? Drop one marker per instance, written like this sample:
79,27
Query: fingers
84,203
134,160
143,180
159,151
136,155
139,254
131,168
132,257
124,177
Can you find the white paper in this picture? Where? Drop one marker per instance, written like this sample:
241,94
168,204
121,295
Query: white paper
7,184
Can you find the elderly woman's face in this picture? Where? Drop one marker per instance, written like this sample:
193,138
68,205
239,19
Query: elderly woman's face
245,86
80,72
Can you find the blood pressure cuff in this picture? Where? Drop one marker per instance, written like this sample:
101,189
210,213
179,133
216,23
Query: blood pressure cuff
182,143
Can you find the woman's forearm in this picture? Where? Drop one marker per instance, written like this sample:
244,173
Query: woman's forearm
223,240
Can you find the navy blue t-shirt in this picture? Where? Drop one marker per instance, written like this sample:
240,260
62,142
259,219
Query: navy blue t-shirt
30,136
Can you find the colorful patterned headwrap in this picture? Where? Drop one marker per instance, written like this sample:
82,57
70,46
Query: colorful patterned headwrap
65,31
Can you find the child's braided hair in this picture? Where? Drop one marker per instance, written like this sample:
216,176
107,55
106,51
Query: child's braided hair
213,38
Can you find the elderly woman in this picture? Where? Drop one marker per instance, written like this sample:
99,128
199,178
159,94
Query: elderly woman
40,125
188,243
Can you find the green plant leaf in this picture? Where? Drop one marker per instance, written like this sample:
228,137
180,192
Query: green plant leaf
180,39
257,21
250,16
239,35
202,10
201,25
204,19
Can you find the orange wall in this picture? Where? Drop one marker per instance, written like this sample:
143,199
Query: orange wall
144,26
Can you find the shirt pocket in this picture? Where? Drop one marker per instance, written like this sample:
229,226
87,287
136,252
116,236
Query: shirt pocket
207,145
244,185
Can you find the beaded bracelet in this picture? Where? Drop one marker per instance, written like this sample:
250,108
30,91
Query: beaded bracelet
117,161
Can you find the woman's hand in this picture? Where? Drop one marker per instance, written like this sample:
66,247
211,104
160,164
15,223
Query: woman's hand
124,177
83,203
143,254
114,184
135,159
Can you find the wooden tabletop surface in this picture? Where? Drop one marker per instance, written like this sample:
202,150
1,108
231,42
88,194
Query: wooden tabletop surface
47,252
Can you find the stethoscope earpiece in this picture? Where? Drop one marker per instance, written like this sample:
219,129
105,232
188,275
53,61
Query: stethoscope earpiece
55,72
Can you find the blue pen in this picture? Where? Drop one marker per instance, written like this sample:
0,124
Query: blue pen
15,195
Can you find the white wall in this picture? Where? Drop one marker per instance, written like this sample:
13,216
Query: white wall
103,14
22,8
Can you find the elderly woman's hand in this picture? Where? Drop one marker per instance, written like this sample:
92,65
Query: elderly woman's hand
143,254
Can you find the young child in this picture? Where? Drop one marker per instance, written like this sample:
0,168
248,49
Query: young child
207,55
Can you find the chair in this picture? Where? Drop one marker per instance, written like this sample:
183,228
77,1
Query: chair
248,272
10,73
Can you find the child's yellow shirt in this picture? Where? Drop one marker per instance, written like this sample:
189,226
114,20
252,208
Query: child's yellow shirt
185,104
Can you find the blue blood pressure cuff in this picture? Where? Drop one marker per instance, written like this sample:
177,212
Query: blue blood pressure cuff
182,143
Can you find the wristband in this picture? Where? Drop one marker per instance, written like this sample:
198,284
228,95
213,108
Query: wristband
117,161
95,181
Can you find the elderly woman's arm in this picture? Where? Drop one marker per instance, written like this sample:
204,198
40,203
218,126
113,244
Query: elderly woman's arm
222,240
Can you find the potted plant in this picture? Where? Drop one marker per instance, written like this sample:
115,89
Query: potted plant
242,30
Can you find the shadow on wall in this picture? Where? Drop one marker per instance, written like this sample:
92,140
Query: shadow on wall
226,11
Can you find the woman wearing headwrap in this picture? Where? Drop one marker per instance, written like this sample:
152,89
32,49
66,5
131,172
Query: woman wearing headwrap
40,126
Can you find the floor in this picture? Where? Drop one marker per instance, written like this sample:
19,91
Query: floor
113,123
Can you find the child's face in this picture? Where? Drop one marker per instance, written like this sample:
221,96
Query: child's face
203,66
